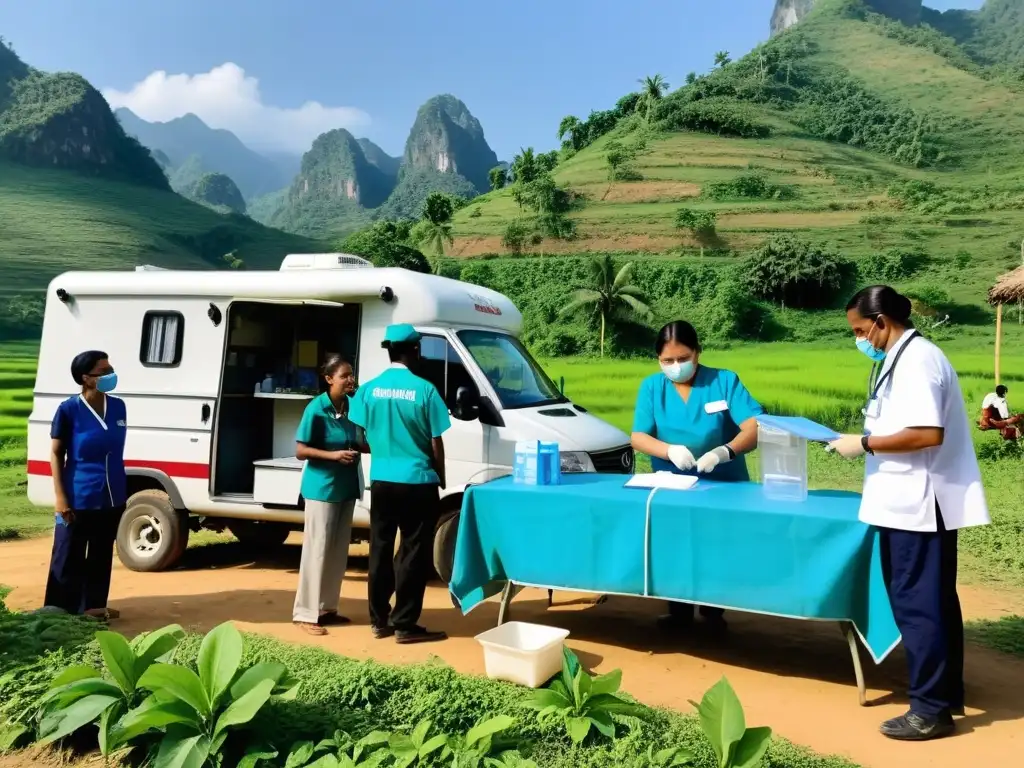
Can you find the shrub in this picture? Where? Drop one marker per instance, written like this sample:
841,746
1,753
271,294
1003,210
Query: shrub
796,273
517,233
748,186
891,265
386,244
720,116
700,223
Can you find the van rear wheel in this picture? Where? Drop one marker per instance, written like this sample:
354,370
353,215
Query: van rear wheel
444,545
152,535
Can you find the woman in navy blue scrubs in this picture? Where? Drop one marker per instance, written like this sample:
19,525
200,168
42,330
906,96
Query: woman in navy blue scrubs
90,485
692,419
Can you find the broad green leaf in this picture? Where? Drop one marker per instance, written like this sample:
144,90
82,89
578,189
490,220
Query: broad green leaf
219,657
73,675
242,710
300,754
108,720
547,697
403,749
606,702
431,746
606,683
559,687
155,646
419,733
327,761
81,713
374,739
721,719
751,747
180,751
254,755
578,728
489,727
64,697
119,659
570,666
180,682
581,687
267,670
154,715
603,722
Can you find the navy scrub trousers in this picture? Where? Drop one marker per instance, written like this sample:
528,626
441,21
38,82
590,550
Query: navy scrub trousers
82,558
920,575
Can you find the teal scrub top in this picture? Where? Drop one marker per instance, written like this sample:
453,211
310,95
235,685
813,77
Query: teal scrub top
401,414
322,427
662,413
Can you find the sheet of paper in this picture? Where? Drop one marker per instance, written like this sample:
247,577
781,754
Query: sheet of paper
668,480
801,427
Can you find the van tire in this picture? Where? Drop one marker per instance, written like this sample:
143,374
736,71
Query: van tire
259,537
151,535
445,538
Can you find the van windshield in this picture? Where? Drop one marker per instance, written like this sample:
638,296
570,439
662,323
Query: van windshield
515,376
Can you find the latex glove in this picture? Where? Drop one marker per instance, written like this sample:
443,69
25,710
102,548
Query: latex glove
680,456
848,446
712,459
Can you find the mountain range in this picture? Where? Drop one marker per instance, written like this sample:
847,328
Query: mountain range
341,183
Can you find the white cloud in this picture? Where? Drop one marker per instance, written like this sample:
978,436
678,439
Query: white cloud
225,97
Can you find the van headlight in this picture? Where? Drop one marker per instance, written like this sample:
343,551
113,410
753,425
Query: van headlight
576,462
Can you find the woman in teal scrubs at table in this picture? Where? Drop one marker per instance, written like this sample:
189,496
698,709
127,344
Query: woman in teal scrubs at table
692,419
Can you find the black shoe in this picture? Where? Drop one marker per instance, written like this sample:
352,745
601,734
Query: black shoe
958,711
382,633
418,635
673,622
716,623
915,727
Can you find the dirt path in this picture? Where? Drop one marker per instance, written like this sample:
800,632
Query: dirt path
793,676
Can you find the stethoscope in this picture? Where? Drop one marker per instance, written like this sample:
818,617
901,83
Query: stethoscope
876,381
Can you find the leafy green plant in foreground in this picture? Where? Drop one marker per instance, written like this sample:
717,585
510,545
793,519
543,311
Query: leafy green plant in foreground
583,702
82,694
722,720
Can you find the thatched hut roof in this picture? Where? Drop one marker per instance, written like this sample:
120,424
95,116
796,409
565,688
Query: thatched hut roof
1009,288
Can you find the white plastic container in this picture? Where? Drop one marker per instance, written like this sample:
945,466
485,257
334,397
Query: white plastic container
526,466
527,654
783,464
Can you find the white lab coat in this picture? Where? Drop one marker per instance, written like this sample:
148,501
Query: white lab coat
901,490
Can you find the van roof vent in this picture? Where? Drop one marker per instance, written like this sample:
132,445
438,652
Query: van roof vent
307,261
149,268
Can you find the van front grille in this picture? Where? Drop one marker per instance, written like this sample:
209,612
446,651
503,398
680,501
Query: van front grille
617,461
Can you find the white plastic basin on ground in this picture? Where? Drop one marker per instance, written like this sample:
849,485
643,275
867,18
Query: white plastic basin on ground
528,654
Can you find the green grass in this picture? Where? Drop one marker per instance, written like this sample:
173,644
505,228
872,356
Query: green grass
54,221
1005,634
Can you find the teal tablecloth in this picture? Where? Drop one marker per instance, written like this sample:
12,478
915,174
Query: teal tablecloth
720,544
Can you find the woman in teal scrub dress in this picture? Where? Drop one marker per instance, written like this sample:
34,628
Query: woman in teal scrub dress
692,419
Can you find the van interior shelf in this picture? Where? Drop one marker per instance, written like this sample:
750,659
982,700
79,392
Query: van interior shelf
283,395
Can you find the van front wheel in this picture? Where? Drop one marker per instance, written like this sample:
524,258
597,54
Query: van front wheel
152,534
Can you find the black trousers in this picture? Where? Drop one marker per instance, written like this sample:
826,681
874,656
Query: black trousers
414,510
82,557
920,575
685,611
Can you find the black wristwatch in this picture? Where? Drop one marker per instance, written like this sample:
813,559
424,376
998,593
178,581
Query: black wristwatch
732,453
865,446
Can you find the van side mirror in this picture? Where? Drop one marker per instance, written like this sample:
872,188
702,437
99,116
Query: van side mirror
467,404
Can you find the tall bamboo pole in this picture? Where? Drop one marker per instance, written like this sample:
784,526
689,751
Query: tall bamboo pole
999,335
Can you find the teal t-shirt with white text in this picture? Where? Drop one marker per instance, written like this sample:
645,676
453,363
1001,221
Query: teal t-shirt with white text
401,413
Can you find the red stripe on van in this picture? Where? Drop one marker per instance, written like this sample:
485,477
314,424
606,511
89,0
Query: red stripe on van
171,468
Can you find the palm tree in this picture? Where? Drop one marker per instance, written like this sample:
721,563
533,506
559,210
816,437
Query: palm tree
610,295
722,58
651,91
524,166
434,230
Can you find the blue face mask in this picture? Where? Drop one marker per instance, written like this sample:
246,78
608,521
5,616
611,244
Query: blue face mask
107,382
679,372
875,355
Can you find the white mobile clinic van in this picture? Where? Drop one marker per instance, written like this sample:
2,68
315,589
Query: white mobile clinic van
216,367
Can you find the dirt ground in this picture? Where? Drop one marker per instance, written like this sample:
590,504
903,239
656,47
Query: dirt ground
794,676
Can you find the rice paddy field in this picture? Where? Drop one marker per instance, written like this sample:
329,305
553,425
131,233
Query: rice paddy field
827,384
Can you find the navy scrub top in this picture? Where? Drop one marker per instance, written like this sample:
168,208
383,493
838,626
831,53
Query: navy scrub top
94,475
718,404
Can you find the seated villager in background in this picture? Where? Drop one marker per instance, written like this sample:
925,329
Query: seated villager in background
995,414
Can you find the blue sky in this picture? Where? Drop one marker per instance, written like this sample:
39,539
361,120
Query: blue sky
519,66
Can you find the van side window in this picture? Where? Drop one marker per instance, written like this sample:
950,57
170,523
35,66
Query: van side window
441,365
162,337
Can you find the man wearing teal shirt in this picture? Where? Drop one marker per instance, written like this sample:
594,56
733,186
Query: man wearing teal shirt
404,417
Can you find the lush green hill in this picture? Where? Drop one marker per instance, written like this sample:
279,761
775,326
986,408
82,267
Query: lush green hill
865,138
53,221
218,191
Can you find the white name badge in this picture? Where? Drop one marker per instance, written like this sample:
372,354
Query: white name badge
716,407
